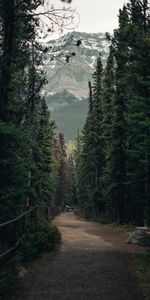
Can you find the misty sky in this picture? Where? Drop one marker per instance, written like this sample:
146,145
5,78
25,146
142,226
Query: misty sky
96,15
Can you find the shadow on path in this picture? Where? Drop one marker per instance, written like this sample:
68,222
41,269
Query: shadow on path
87,267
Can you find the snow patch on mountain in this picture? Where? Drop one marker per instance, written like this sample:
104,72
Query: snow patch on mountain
73,76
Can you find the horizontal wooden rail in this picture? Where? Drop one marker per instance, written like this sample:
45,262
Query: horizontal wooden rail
16,219
15,241
10,249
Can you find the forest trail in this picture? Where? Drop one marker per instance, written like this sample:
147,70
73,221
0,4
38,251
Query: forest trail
91,264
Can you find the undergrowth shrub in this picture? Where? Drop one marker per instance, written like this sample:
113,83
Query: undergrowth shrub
43,236
143,266
145,241
8,278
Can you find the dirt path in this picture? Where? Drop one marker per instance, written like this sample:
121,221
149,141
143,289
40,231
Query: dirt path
91,264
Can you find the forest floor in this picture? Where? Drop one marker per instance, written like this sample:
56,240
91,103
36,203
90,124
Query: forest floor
93,262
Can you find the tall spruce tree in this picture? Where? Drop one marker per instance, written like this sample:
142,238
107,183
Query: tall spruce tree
138,112
92,152
116,146
16,33
61,194
25,161
109,84
118,152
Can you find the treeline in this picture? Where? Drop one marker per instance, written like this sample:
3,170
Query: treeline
112,156
31,156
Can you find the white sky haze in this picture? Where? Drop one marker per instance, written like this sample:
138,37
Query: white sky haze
98,15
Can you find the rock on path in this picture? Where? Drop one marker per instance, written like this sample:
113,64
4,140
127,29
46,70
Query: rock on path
86,267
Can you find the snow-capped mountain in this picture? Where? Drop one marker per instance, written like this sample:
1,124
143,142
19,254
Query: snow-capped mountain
68,81
74,76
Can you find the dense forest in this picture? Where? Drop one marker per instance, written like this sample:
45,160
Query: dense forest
30,154
32,158
112,154
106,171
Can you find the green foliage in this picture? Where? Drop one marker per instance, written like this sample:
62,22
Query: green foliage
145,241
114,170
8,279
144,262
72,193
27,165
26,132
14,169
42,237
143,266
90,169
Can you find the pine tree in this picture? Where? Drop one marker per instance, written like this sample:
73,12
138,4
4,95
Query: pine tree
92,152
138,112
18,29
41,163
72,196
61,195
118,149
13,148
109,85
114,162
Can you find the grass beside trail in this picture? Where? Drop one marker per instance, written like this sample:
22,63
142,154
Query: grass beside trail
143,269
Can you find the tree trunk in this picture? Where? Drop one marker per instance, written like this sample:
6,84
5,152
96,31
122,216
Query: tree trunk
8,29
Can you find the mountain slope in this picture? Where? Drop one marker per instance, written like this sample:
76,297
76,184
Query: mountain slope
68,82
71,118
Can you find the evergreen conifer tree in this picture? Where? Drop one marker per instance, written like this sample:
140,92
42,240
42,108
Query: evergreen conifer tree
92,152
118,149
138,112
109,85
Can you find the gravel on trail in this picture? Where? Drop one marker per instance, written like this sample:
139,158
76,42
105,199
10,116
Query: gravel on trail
91,264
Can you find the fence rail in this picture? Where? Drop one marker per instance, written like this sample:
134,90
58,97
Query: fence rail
16,219
12,231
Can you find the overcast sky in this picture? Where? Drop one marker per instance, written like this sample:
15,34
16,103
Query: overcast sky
96,15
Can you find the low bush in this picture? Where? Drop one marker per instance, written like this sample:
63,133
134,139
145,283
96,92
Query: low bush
143,267
145,241
8,278
42,237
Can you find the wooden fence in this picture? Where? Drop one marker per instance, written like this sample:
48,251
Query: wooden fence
12,231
